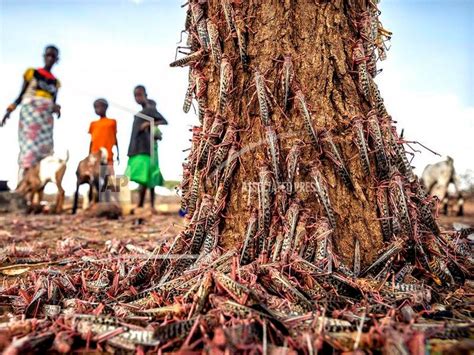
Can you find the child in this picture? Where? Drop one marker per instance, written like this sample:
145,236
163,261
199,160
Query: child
143,167
104,133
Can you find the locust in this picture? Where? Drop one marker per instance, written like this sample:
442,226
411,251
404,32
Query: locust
292,162
274,152
241,41
214,42
308,120
265,199
405,271
369,38
248,249
377,101
393,249
424,204
362,146
300,233
277,246
207,144
399,201
194,193
400,157
384,212
229,14
200,297
236,28
359,58
382,161
291,222
309,249
225,84
188,98
263,100
323,196
287,77
234,289
189,59
174,330
439,269
332,152
160,312
283,285
200,23
199,219
201,93
357,258
222,152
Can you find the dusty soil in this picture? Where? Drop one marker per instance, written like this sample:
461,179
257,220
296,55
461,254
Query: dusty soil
47,230
142,228
468,218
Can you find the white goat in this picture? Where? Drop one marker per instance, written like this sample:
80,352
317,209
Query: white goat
437,177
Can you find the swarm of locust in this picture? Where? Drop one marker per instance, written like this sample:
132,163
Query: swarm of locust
285,283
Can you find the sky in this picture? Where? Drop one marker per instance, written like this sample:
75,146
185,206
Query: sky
109,46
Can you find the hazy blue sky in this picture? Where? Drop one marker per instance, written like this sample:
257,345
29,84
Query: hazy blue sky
107,47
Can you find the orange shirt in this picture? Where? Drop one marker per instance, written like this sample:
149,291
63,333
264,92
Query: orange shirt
103,134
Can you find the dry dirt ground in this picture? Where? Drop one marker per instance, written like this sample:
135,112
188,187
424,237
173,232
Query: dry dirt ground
467,219
143,228
48,231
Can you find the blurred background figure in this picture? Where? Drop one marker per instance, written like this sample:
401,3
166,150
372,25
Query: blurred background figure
38,99
437,179
98,167
143,165
104,133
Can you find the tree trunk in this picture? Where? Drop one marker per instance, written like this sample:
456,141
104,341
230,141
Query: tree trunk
319,38
297,162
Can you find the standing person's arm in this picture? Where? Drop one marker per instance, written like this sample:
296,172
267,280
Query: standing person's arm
13,106
144,126
150,110
118,153
91,127
160,119
56,107
116,143
157,134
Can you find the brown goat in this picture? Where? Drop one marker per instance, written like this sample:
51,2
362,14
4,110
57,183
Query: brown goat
49,169
88,172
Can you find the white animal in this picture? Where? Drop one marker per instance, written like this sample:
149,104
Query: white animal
437,177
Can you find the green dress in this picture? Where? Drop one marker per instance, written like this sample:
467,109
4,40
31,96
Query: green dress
145,169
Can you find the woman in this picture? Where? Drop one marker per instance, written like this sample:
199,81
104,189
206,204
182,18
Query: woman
38,100
143,167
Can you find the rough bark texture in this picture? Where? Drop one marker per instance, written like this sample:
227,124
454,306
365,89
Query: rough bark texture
319,37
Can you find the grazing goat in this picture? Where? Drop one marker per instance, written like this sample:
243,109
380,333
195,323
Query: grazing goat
89,172
437,177
49,169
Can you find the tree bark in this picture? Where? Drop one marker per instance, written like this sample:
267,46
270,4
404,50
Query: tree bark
319,37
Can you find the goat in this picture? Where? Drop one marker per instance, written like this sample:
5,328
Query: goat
89,172
437,177
49,169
